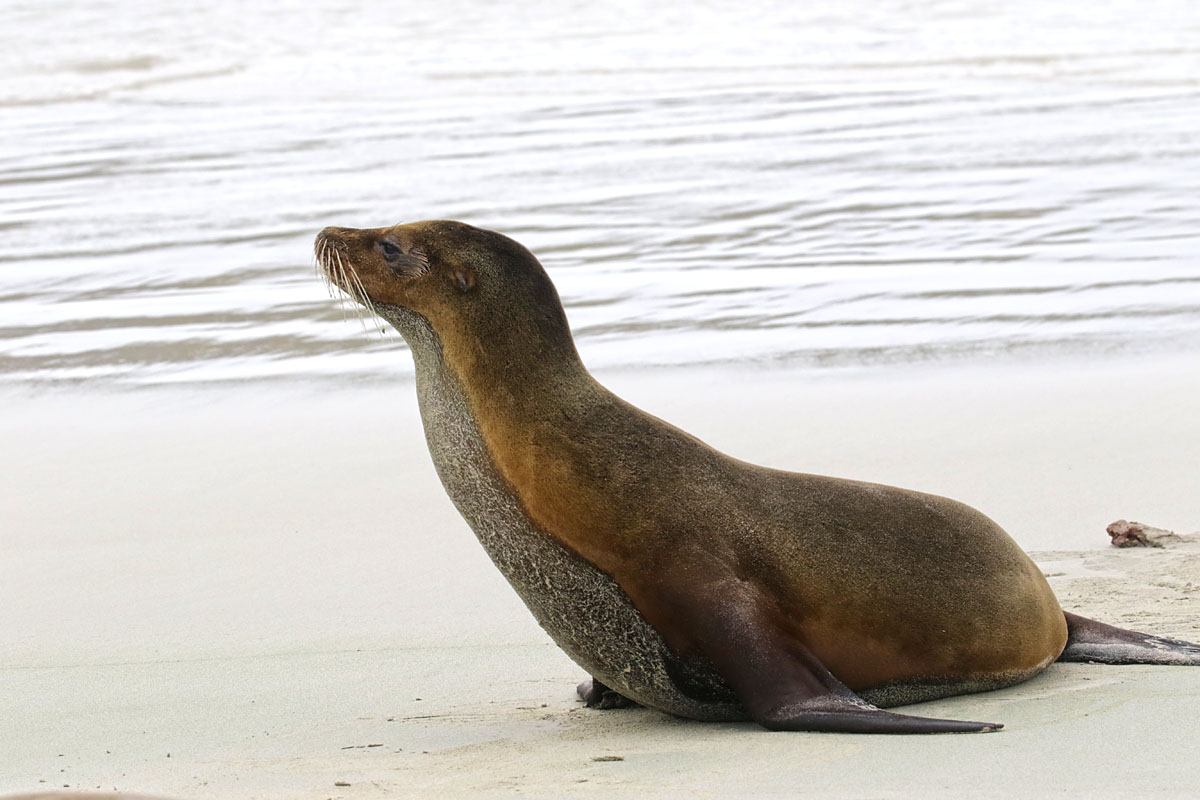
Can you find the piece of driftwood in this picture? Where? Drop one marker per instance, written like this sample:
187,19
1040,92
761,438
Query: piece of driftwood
1136,534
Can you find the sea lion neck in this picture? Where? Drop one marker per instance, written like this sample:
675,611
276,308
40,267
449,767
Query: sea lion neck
521,368
507,341
521,377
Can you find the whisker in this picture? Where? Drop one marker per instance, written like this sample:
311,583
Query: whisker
362,291
352,287
357,292
337,280
342,280
327,263
323,267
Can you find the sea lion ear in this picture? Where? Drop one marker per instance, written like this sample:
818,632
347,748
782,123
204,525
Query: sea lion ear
463,278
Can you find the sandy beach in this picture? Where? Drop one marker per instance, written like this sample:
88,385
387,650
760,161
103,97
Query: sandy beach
263,592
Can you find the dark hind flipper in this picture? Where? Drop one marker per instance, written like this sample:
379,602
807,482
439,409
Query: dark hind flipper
596,695
1089,640
783,685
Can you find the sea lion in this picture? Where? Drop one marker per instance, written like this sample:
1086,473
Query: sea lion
680,578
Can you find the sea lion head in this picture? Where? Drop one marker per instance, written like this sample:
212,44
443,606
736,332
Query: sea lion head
464,282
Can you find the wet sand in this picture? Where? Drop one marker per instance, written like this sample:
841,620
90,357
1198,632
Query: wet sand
263,592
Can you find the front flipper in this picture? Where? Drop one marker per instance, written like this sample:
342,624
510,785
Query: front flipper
783,684
596,695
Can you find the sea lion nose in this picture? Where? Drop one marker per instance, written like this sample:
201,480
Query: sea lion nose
333,231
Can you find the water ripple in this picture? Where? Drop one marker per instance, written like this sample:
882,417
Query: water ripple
806,186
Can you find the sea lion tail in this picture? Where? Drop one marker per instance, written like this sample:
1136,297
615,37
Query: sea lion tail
1089,640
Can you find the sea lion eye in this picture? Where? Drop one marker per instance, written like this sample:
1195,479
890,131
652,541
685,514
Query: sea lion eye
389,250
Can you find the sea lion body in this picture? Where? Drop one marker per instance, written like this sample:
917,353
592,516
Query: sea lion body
680,577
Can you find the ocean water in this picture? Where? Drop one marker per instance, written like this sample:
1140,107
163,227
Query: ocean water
807,185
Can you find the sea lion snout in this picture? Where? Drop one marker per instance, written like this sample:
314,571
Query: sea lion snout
374,266
329,239
332,248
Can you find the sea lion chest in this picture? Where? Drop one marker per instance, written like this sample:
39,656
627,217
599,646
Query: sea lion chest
583,609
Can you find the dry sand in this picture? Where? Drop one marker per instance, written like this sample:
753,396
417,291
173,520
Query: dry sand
263,593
